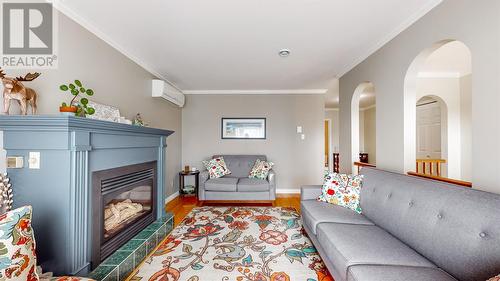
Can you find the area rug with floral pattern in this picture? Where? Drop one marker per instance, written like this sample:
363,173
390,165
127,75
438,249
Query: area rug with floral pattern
236,243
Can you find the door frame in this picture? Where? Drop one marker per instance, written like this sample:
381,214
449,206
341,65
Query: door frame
330,143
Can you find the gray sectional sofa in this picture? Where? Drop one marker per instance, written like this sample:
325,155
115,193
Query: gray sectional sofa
411,229
237,185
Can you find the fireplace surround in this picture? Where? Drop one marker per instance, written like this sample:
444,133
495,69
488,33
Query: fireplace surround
71,150
123,204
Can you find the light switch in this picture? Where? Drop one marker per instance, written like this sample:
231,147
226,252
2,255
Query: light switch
34,160
299,129
303,136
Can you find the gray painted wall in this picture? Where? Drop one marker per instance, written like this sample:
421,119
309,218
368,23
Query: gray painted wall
475,23
297,161
116,81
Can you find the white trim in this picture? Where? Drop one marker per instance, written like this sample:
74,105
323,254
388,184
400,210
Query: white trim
331,109
391,35
257,92
330,144
368,107
172,197
439,75
61,7
288,191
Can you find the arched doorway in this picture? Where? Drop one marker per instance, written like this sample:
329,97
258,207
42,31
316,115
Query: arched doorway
363,124
442,72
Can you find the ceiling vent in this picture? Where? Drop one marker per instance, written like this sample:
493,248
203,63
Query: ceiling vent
162,89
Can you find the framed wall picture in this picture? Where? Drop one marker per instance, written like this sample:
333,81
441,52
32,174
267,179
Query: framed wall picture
243,128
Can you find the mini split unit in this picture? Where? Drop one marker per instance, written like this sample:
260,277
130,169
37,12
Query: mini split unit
162,89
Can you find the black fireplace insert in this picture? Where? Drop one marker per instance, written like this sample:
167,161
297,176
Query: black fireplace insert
123,204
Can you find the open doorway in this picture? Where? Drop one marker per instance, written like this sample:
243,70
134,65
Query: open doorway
441,77
363,125
432,144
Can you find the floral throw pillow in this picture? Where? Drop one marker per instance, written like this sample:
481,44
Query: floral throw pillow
260,169
496,278
216,167
17,246
342,190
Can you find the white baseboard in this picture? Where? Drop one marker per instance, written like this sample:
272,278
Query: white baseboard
171,197
279,191
288,191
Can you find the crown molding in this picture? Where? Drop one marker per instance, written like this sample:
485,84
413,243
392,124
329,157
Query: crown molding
391,35
61,7
368,107
332,109
257,92
439,75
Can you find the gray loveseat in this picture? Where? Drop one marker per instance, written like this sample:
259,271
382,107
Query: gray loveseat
237,185
410,229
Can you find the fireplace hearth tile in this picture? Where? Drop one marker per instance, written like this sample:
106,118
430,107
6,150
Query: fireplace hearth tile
117,258
121,263
131,245
154,226
162,231
103,272
151,242
140,254
126,267
144,235
113,276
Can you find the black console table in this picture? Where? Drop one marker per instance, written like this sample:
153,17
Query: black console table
196,175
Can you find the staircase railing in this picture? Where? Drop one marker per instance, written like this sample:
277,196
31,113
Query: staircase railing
447,180
361,164
429,166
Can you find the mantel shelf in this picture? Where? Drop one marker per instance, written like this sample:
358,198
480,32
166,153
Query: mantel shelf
69,123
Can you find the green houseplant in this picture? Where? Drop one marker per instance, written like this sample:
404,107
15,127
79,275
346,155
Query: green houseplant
78,105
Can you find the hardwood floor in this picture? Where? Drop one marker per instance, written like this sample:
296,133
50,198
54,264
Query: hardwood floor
181,206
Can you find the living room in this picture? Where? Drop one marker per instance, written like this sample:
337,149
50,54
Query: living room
189,140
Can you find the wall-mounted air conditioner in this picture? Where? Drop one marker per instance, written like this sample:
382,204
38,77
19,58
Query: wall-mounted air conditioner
165,90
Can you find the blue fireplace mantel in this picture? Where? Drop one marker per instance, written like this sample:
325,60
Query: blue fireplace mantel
71,148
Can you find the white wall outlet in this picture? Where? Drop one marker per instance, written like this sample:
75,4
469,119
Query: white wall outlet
303,136
34,160
299,129
15,162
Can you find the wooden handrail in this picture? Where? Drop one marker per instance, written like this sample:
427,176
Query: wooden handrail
430,163
361,164
436,178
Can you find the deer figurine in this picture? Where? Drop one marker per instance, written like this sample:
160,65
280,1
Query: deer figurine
13,89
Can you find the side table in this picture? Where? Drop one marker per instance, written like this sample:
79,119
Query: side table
196,175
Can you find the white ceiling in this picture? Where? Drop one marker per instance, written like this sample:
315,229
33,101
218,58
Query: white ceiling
233,45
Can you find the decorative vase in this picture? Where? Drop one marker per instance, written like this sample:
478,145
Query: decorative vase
68,110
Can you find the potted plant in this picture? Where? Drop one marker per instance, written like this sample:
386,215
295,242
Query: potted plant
77,107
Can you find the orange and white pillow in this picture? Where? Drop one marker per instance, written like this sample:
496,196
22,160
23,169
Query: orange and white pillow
17,246
343,190
216,167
